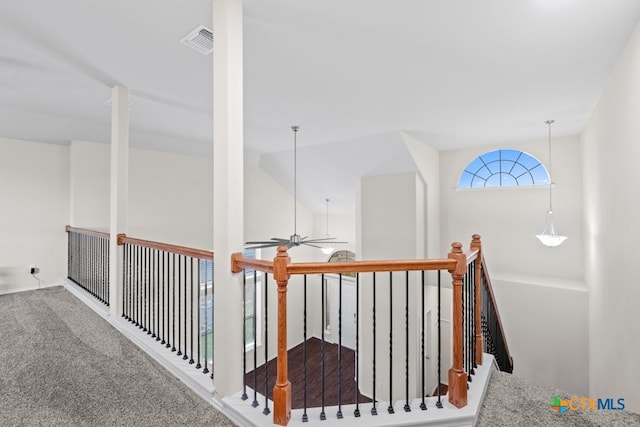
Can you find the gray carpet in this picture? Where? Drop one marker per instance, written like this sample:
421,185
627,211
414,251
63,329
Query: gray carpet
63,365
512,401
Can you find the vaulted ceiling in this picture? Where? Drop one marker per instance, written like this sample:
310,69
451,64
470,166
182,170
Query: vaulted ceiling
352,74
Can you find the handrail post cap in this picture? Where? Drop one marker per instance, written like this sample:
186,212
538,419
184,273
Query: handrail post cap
456,247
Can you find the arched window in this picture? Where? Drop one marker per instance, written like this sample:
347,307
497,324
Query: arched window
504,168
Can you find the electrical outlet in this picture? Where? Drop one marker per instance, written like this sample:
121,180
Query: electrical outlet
34,269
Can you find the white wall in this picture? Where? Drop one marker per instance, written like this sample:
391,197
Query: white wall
547,346
611,151
89,185
34,208
170,195
526,274
171,198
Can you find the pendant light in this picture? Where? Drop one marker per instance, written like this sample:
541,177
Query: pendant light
549,237
327,248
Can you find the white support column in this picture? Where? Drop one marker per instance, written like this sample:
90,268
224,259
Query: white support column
228,218
119,191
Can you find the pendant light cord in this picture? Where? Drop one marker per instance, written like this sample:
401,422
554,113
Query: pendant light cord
327,217
295,197
549,122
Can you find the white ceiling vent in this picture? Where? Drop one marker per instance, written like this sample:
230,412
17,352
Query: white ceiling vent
200,39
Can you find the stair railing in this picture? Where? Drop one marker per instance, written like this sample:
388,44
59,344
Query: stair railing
491,323
465,269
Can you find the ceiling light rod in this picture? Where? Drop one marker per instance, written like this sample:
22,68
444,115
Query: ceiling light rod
549,123
549,237
295,180
327,248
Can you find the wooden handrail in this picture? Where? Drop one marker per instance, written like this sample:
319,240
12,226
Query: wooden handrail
489,287
123,238
180,250
239,262
86,231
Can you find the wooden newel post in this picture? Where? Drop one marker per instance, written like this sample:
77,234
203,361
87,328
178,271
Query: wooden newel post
282,388
476,244
457,376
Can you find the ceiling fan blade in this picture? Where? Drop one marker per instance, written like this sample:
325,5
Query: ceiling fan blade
311,244
326,239
264,245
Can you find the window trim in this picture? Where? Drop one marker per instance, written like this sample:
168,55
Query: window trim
545,181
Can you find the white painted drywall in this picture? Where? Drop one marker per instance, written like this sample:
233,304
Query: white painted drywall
34,209
611,151
546,329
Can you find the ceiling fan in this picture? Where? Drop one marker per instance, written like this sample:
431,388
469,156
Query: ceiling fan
295,239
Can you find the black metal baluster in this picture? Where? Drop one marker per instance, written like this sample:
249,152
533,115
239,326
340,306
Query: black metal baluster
152,292
145,289
475,314
158,284
266,410
407,408
439,402
149,295
191,361
198,365
390,408
339,413
374,410
255,341
137,285
206,321
213,341
131,281
356,412
305,417
464,329
244,332
179,353
323,415
423,405
173,302
124,281
165,299
186,282
472,318
468,324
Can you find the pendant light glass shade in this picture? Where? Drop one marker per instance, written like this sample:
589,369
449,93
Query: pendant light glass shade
549,237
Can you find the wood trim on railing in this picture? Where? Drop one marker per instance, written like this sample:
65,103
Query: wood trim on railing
489,286
86,231
457,376
476,245
239,262
180,250
369,266
282,388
